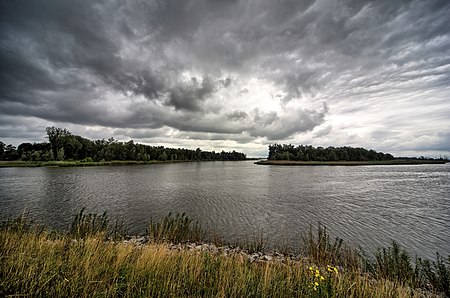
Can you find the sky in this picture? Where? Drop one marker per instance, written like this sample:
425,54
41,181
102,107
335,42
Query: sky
228,74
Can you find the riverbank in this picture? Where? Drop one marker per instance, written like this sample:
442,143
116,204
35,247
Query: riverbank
350,163
78,163
94,259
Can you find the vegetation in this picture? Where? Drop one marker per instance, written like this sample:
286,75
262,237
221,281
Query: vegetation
175,229
80,163
63,146
351,163
37,262
310,153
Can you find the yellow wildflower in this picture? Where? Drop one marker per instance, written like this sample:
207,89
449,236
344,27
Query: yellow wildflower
322,278
332,269
316,284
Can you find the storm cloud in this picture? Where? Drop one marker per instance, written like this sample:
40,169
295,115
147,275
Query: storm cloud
223,73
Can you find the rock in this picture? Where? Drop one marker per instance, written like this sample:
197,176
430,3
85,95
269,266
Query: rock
253,257
142,240
267,258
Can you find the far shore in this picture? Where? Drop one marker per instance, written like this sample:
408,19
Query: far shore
350,163
80,163
74,163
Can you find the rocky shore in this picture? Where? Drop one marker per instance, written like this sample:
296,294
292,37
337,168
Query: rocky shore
227,250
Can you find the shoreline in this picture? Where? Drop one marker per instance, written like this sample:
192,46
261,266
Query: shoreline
348,163
54,164
96,257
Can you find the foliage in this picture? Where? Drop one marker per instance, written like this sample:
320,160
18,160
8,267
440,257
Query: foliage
310,153
65,146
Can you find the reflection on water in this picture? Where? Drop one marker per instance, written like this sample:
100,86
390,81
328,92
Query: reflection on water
367,206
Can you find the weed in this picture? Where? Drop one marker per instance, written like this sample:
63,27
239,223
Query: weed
176,229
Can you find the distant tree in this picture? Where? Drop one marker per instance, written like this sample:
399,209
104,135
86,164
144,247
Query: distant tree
47,155
2,149
60,155
10,153
63,145
56,137
35,155
23,149
307,153
163,156
71,147
198,154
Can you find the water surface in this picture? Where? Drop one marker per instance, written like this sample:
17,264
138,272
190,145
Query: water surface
365,205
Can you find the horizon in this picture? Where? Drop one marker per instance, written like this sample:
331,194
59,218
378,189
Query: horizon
445,157
230,75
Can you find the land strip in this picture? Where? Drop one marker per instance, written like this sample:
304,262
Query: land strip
350,163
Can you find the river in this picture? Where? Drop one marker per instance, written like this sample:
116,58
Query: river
365,205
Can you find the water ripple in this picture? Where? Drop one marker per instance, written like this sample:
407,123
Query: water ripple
367,206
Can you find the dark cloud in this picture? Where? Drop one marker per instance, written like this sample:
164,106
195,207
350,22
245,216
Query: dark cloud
190,96
237,115
238,70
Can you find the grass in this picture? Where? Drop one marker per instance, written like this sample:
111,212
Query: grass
78,163
319,247
40,263
176,229
91,224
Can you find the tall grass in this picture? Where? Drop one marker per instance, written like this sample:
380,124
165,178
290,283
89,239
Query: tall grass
395,264
176,229
35,262
390,263
436,274
323,250
92,224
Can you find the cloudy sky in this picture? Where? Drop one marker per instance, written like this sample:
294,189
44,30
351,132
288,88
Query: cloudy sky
229,74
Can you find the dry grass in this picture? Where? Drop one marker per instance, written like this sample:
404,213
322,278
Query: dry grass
37,263
41,264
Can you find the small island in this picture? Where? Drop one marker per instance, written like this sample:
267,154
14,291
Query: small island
289,155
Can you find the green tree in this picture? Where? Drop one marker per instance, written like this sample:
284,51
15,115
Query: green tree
35,155
163,156
56,137
47,155
2,149
10,153
60,155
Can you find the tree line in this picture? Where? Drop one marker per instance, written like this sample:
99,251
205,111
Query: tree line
63,145
310,153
